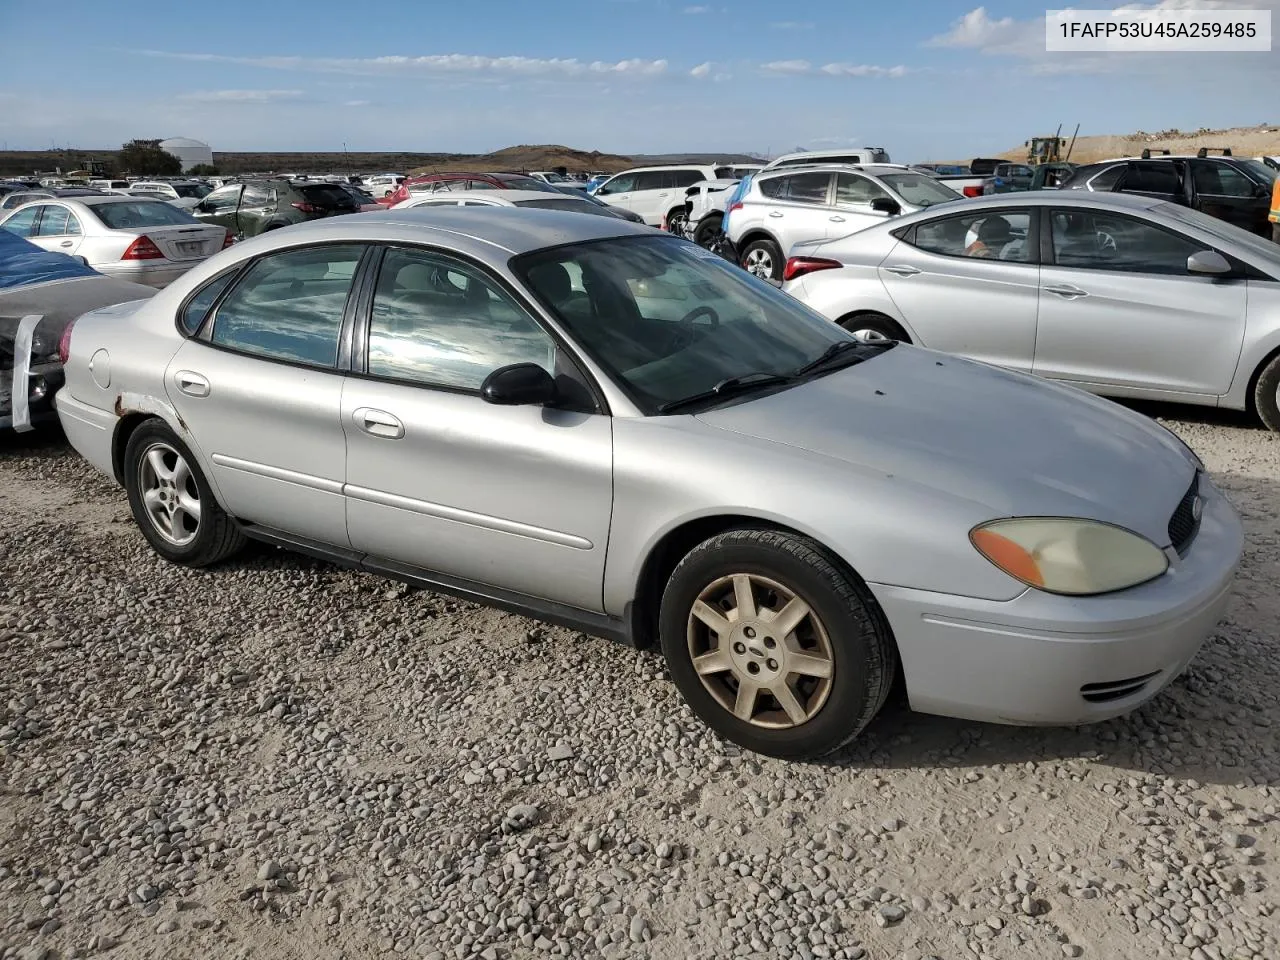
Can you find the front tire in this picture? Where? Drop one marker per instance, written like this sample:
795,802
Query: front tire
705,233
676,220
1265,400
774,645
764,259
172,501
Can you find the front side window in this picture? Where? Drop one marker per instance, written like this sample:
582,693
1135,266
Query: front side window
289,306
984,236
623,183
54,222
441,323
919,190
222,200
807,187
1213,179
256,195
852,190
23,223
669,320
1099,241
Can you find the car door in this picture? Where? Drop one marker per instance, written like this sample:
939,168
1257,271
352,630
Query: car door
802,210
974,298
852,205
1119,309
652,189
619,191
219,208
257,207
517,497
1157,179
260,389
58,230
1223,191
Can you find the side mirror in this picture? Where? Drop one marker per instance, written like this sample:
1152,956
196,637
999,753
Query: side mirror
1208,263
886,205
519,384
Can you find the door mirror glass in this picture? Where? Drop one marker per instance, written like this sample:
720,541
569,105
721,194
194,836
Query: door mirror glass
519,384
886,205
1208,263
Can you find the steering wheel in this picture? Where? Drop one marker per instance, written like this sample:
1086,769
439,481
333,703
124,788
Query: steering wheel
705,310
685,332
1106,242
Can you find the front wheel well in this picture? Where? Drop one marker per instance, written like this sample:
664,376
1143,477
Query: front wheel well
676,544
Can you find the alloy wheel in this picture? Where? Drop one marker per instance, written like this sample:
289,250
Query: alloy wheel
169,494
760,650
869,334
760,263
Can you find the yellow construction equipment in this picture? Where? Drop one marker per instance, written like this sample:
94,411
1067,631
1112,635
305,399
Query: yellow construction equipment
1049,149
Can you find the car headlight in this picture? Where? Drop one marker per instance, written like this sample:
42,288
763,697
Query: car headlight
1068,556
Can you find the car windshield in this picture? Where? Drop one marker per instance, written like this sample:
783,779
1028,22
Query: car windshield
564,203
195,191
670,320
1228,232
139,213
1259,171
919,190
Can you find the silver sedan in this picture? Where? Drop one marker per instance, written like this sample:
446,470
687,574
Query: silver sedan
127,237
609,428
1120,295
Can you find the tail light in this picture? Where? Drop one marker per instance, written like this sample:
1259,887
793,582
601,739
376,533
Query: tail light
64,344
734,206
142,249
305,207
799,266
973,191
228,241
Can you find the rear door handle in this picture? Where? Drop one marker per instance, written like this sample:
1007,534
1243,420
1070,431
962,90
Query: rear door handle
836,219
191,383
903,270
774,213
65,243
378,423
1066,291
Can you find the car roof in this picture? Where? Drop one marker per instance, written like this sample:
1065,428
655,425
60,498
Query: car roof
875,169
513,230
671,166
1034,198
512,195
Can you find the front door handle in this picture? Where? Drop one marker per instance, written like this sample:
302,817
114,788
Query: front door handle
191,383
903,270
836,219
1066,291
378,423
774,213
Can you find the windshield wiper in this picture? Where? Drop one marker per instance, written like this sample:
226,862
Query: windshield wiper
838,352
727,387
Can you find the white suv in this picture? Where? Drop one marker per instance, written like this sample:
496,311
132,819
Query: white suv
383,184
655,193
861,156
184,194
791,205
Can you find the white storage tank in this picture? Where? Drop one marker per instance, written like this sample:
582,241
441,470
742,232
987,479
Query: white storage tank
191,152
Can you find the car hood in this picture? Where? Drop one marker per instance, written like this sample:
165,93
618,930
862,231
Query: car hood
1014,444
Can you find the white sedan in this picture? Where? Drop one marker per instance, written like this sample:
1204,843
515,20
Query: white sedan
130,238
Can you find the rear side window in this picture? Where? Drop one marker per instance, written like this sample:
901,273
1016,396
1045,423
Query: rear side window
1159,178
773,187
1107,179
687,178
198,307
651,180
980,236
289,306
54,222
326,196
806,187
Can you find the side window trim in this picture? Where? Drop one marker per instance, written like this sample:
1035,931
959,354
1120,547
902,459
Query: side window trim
567,353
205,334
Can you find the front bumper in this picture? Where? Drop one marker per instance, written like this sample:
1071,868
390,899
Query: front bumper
42,381
1046,659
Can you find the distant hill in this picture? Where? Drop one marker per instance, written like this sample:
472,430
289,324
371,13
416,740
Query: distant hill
1262,140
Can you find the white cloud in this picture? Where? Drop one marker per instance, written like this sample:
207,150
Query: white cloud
239,96
787,66
356,103
976,29
701,70
434,64
701,8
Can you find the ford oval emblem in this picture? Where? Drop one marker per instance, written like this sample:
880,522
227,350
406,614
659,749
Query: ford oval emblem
1197,507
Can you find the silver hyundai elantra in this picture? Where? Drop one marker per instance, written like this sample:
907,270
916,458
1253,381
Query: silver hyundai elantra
579,419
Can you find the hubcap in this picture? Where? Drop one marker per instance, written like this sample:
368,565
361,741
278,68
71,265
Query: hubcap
169,494
760,651
760,263
866,334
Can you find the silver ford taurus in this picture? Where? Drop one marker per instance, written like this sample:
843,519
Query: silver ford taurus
579,419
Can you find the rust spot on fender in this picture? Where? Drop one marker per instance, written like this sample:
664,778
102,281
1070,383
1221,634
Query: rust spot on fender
120,407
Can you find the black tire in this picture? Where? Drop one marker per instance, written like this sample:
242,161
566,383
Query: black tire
707,230
216,535
862,653
1264,395
764,259
875,323
675,220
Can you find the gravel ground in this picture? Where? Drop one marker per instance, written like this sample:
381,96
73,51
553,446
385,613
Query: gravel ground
283,759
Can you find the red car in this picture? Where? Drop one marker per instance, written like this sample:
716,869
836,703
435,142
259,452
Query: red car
464,181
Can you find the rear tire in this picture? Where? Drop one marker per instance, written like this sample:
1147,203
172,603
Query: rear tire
873,326
172,501
763,258
811,684
1265,400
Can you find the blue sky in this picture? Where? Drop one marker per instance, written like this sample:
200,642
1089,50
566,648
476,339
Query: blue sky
927,79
